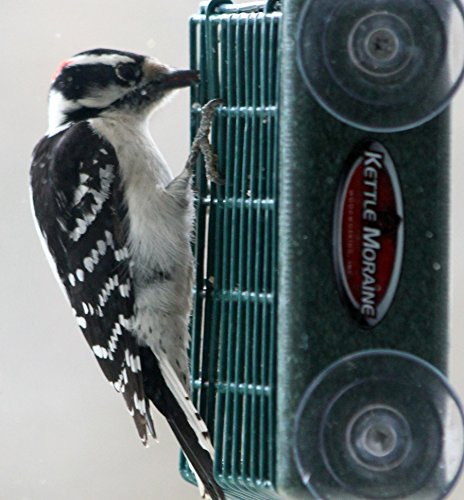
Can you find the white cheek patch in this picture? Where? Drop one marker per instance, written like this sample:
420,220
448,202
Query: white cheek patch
58,106
102,97
95,98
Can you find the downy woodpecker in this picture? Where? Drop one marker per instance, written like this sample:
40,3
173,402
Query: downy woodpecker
118,228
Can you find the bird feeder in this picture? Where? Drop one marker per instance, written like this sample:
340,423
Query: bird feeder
320,316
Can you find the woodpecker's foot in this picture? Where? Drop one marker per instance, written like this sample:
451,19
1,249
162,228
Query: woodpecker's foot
210,157
201,143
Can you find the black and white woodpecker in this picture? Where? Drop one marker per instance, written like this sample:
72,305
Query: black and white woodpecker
118,228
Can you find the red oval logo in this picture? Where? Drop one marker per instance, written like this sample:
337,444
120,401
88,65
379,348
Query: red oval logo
369,233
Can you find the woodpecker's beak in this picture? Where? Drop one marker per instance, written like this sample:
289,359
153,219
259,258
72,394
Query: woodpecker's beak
159,80
179,78
166,78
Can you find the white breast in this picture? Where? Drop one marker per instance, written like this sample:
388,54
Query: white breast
156,224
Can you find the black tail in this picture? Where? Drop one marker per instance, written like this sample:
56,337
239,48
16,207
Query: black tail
161,396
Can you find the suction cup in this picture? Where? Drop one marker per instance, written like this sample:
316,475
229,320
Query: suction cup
382,65
379,424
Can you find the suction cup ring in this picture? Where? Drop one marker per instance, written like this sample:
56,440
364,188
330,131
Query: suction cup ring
382,65
378,437
379,424
378,44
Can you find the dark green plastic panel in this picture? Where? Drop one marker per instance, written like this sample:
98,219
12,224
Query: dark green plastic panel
314,328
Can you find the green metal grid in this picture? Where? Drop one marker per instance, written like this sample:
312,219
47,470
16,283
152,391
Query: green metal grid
233,350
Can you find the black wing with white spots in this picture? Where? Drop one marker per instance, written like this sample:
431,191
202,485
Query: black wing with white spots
81,212
79,206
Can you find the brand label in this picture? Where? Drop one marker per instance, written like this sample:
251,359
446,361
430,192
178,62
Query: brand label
369,233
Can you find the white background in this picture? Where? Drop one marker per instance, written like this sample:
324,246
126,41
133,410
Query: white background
64,433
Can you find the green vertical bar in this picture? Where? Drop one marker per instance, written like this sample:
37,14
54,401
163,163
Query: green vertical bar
223,410
202,194
227,257
261,223
221,308
195,325
211,57
247,195
274,96
254,270
211,344
245,238
240,234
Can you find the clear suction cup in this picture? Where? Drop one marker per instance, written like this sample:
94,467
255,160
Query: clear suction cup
381,425
382,65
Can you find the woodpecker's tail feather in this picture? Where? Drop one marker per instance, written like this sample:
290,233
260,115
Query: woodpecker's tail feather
166,392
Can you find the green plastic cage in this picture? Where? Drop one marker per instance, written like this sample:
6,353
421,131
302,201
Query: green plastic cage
233,351
268,316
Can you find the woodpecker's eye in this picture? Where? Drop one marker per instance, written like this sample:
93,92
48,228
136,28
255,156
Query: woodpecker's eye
127,72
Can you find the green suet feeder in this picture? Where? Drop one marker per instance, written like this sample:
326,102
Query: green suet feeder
320,315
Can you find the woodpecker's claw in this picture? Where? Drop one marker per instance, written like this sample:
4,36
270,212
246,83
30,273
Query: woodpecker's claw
202,145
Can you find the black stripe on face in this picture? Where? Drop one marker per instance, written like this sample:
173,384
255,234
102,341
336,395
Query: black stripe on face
81,80
76,82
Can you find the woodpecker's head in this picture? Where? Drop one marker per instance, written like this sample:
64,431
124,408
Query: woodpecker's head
101,80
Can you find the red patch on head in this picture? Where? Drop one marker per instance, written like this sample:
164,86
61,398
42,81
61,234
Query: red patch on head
60,69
